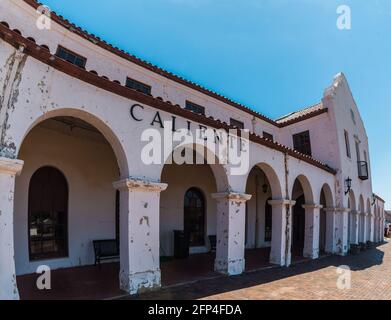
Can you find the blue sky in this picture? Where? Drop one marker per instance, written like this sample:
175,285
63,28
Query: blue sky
274,55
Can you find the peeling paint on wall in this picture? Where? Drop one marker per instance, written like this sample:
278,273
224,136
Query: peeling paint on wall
9,97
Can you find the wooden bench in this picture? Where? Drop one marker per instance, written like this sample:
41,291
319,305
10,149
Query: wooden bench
105,250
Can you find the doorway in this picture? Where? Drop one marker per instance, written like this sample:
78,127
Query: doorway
194,217
48,214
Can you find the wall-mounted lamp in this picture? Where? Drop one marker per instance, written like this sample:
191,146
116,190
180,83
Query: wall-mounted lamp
265,188
348,183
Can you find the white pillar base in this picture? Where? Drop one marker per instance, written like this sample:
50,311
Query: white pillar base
331,229
341,234
354,227
139,282
280,252
231,211
232,267
312,222
139,234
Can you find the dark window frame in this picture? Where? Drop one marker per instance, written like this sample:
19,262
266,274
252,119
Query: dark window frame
236,123
302,142
268,221
194,107
75,55
268,135
138,86
347,144
192,194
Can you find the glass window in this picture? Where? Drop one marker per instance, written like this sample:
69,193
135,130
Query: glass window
48,214
195,217
195,108
139,86
236,123
268,136
347,144
268,221
353,116
302,142
71,57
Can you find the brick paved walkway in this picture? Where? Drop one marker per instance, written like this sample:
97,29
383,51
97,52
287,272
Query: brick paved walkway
370,279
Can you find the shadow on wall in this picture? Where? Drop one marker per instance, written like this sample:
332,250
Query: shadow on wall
362,261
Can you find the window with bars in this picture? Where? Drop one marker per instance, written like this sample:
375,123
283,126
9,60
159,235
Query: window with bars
195,108
302,142
71,57
139,86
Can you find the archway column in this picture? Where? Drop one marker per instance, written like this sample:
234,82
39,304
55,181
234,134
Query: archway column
139,234
372,227
280,252
377,227
311,234
331,229
364,226
231,211
355,227
342,232
9,169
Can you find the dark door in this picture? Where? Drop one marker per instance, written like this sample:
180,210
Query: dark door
194,215
48,214
298,225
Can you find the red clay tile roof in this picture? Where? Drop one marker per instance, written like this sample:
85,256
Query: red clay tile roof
16,39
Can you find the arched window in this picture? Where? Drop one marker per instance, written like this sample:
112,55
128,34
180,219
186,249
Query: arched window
194,217
48,214
268,221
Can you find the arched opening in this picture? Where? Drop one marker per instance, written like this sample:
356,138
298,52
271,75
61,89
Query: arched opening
263,185
298,223
48,214
65,198
194,217
301,194
325,220
188,215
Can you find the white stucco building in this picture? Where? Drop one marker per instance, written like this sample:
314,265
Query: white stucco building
72,113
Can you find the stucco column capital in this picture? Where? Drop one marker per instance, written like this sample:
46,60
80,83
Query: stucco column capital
11,166
143,185
354,212
330,209
282,202
239,197
342,210
312,206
